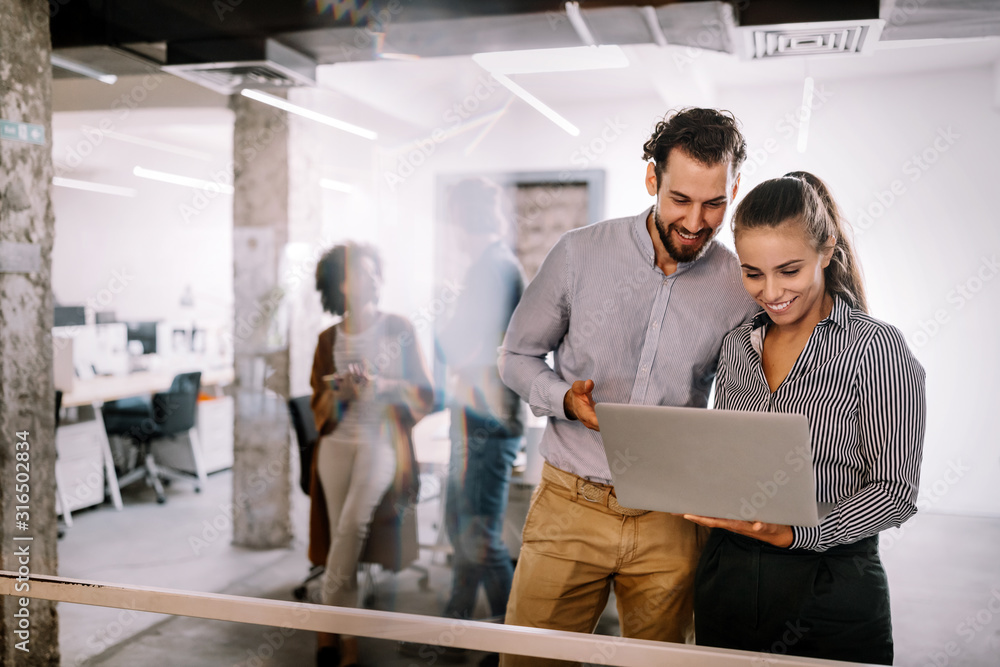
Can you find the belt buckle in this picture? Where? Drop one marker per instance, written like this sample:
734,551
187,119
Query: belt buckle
591,493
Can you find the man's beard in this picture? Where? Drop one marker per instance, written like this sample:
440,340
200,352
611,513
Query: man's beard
676,252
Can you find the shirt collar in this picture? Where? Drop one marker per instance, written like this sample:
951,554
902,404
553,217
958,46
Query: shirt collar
839,315
642,235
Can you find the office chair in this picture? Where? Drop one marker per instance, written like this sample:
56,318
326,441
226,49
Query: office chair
385,538
169,414
59,494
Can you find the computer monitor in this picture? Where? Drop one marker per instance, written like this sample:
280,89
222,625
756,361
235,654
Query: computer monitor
145,333
69,316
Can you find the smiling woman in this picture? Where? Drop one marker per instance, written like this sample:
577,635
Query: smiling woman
813,350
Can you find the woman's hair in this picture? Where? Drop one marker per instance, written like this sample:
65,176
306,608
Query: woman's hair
801,196
709,136
331,271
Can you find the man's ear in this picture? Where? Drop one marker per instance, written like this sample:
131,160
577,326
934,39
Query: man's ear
651,179
736,187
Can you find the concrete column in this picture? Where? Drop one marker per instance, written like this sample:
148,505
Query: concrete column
261,479
27,394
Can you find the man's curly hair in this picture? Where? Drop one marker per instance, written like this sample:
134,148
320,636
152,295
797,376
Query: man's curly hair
709,136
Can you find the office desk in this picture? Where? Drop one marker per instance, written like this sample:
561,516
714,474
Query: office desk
84,446
101,389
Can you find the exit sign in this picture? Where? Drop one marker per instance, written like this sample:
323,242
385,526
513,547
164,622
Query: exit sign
14,131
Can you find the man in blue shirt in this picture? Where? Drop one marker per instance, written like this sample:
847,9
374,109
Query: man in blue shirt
487,418
635,310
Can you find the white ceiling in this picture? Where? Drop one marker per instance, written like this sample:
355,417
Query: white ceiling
421,92
408,99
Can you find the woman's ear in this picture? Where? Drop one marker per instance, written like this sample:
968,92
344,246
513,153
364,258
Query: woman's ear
829,247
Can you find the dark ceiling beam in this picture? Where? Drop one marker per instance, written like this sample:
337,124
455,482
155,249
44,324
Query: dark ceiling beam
77,23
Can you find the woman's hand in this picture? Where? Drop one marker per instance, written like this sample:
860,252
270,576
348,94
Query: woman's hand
772,533
347,386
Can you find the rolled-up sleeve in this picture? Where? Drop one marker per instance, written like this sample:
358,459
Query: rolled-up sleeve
538,326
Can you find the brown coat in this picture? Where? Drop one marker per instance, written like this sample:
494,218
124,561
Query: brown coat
417,402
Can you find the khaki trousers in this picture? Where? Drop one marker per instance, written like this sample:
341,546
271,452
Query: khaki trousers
578,542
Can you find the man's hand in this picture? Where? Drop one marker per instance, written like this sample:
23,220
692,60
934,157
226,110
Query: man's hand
772,533
579,404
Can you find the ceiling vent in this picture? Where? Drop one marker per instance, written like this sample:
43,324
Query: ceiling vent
828,38
229,66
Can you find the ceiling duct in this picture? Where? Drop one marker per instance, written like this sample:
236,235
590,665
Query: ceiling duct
228,66
790,28
784,40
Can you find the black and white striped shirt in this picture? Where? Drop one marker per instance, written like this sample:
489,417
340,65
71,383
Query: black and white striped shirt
611,315
863,394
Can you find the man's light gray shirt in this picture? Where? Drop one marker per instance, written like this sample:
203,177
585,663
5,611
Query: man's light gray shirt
611,315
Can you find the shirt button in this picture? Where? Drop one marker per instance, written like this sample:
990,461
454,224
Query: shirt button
656,324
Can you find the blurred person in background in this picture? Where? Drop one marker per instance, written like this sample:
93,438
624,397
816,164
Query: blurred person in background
370,386
487,418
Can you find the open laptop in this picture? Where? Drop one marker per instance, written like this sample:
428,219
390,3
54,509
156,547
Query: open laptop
755,466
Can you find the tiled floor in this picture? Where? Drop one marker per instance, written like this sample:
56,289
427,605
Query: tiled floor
944,573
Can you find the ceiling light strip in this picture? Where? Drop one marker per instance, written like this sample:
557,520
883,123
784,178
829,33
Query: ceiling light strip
439,136
807,105
540,106
84,70
150,143
187,181
90,186
285,105
336,186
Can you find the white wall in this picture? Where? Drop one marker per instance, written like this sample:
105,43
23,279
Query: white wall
923,234
136,255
